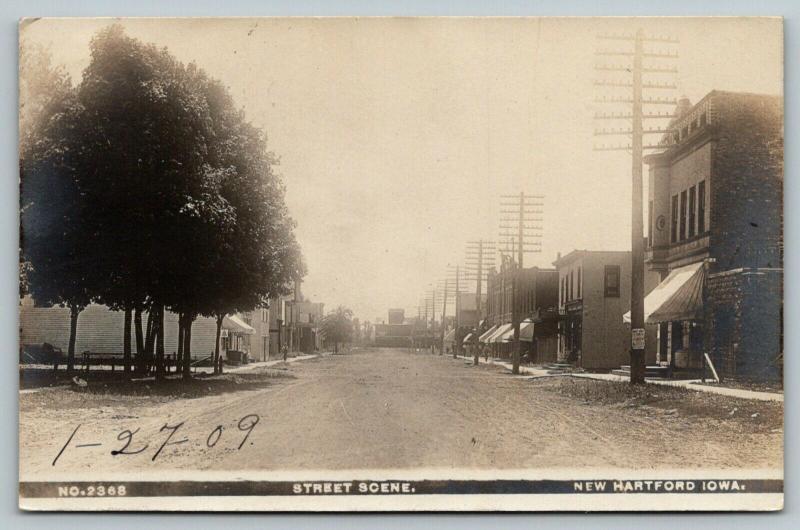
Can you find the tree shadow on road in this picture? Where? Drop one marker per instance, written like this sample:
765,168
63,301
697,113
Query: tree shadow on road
173,386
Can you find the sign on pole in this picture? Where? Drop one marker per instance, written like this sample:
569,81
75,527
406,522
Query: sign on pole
637,339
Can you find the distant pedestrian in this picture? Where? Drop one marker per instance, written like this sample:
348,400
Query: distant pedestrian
285,352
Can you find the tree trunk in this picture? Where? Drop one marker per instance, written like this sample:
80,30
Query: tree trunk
126,342
160,342
137,326
179,356
187,347
73,332
148,341
216,344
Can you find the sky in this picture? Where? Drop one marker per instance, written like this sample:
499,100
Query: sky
397,136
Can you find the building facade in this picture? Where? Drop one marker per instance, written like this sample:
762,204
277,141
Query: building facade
593,296
715,233
302,323
101,330
538,294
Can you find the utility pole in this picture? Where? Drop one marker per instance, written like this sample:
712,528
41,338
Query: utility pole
456,270
517,214
431,300
480,258
450,294
636,69
444,315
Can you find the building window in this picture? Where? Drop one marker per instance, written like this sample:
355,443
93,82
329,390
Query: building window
579,282
682,233
703,119
701,207
674,232
571,294
650,224
692,210
611,284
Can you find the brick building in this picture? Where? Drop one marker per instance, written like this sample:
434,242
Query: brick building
538,292
466,320
715,236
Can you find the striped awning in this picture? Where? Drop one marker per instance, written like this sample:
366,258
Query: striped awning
499,333
450,337
507,335
486,334
235,324
678,297
468,338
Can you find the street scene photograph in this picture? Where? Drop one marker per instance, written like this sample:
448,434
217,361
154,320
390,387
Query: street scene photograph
401,264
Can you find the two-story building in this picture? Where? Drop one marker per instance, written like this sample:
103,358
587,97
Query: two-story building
302,323
593,295
537,292
715,236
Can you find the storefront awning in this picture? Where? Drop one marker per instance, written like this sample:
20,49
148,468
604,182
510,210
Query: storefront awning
235,324
468,338
678,297
487,334
507,335
450,337
490,337
526,331
499,333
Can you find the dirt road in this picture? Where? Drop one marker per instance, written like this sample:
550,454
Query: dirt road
377,409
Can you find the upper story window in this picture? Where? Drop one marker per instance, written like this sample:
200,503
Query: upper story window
692,210
579,282
674,228
571,294
682,233
650,224
611,281
703,119
701,207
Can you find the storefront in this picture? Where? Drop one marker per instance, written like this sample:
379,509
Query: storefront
675,306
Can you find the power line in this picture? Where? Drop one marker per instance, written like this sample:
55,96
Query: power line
637,70
518,235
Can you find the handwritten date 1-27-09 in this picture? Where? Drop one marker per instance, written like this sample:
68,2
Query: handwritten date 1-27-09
129,446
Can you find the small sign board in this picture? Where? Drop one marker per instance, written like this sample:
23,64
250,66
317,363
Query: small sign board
637,339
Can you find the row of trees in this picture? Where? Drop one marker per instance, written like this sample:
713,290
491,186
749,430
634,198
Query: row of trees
145,189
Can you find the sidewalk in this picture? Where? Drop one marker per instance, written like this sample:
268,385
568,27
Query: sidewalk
527,370
691,384
195,370
260,364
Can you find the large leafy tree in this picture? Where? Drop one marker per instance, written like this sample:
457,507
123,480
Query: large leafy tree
337,326
171,193
259,255
156,201
55,245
